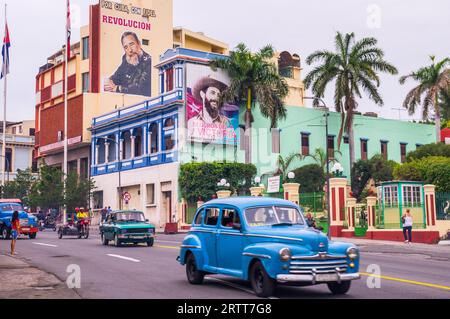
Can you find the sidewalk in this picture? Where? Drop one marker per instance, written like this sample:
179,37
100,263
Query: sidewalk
19,280
441,252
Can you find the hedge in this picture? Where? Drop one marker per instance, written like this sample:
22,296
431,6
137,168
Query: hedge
199,180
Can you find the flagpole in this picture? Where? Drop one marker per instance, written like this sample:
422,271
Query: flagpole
66,146
5,74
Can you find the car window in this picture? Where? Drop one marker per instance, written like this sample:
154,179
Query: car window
198,218
270,215
230,217
212,216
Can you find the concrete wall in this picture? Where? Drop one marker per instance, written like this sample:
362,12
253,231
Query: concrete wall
165,178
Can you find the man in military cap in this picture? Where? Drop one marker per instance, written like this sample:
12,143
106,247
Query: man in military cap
134,74
209,124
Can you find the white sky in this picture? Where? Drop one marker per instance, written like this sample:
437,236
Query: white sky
408,31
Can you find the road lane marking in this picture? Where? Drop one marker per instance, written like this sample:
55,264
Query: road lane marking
168,241
236,286
167,247
407,281
47,245
124,258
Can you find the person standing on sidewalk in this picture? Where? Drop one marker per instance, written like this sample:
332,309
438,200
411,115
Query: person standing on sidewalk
15,229
407,221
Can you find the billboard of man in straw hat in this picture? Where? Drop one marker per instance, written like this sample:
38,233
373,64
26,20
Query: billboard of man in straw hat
207,121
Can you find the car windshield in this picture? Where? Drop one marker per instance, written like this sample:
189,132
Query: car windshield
10,207
130,216
273,216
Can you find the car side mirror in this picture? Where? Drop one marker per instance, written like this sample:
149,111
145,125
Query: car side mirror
237,227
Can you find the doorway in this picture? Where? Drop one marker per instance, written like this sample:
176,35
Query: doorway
167,207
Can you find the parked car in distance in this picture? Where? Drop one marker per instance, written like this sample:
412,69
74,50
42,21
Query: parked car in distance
127,227
28,222
267,242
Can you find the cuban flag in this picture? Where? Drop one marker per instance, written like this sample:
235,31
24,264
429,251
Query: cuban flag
5,53
69,30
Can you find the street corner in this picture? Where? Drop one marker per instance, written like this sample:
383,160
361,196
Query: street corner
20,280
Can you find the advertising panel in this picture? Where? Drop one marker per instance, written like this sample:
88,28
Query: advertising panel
133,35
209,120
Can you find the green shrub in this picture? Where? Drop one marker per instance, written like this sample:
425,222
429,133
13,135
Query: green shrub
428,150
311,178
199,180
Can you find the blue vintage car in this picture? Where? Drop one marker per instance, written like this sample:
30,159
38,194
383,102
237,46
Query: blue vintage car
265,241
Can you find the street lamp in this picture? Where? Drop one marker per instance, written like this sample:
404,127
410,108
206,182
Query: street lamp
119,161
327,114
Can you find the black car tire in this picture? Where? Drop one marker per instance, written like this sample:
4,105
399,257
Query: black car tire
151,242
339,288
32,235
6,233
194,276
105,241
262,284
117,242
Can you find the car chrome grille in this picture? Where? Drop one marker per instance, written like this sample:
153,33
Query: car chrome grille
137,231
309,267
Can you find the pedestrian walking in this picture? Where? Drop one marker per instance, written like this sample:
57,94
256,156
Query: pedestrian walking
15,229
407,221
104,212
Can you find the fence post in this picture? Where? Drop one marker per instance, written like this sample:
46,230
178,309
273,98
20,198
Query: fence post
338,200
430,205
371,203
256,191
351,207
292,192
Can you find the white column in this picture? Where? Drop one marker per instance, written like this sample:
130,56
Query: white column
118,146
133,146
144,140
160,134
97,148
121,146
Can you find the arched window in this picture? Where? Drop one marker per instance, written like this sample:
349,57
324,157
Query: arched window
101,151
112,148
169,141
138,145
154,138
126,136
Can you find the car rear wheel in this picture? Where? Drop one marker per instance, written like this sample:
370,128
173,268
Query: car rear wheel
32,235
262,284
6,233
117,242
194,276
105,241
340,288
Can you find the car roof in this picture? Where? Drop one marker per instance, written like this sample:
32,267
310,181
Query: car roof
245,202
126,211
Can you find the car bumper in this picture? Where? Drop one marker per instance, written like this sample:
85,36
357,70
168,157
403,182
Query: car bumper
313,279
127,238
28,230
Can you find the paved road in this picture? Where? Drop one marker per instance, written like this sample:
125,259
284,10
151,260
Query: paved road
142,272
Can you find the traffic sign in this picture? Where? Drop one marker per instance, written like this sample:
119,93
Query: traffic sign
127,196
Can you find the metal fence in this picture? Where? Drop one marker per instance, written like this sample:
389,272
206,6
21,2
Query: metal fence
443,206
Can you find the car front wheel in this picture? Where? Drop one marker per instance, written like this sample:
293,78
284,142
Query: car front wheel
117,242
105,241
6,233
151,242
194,276
262,284
340,288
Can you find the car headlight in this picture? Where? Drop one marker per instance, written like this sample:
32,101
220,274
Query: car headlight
285,254
151,230
352,253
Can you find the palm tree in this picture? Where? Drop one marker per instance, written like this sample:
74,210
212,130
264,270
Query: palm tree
434,80
254,79
444,102
284,164
354,68
320,156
